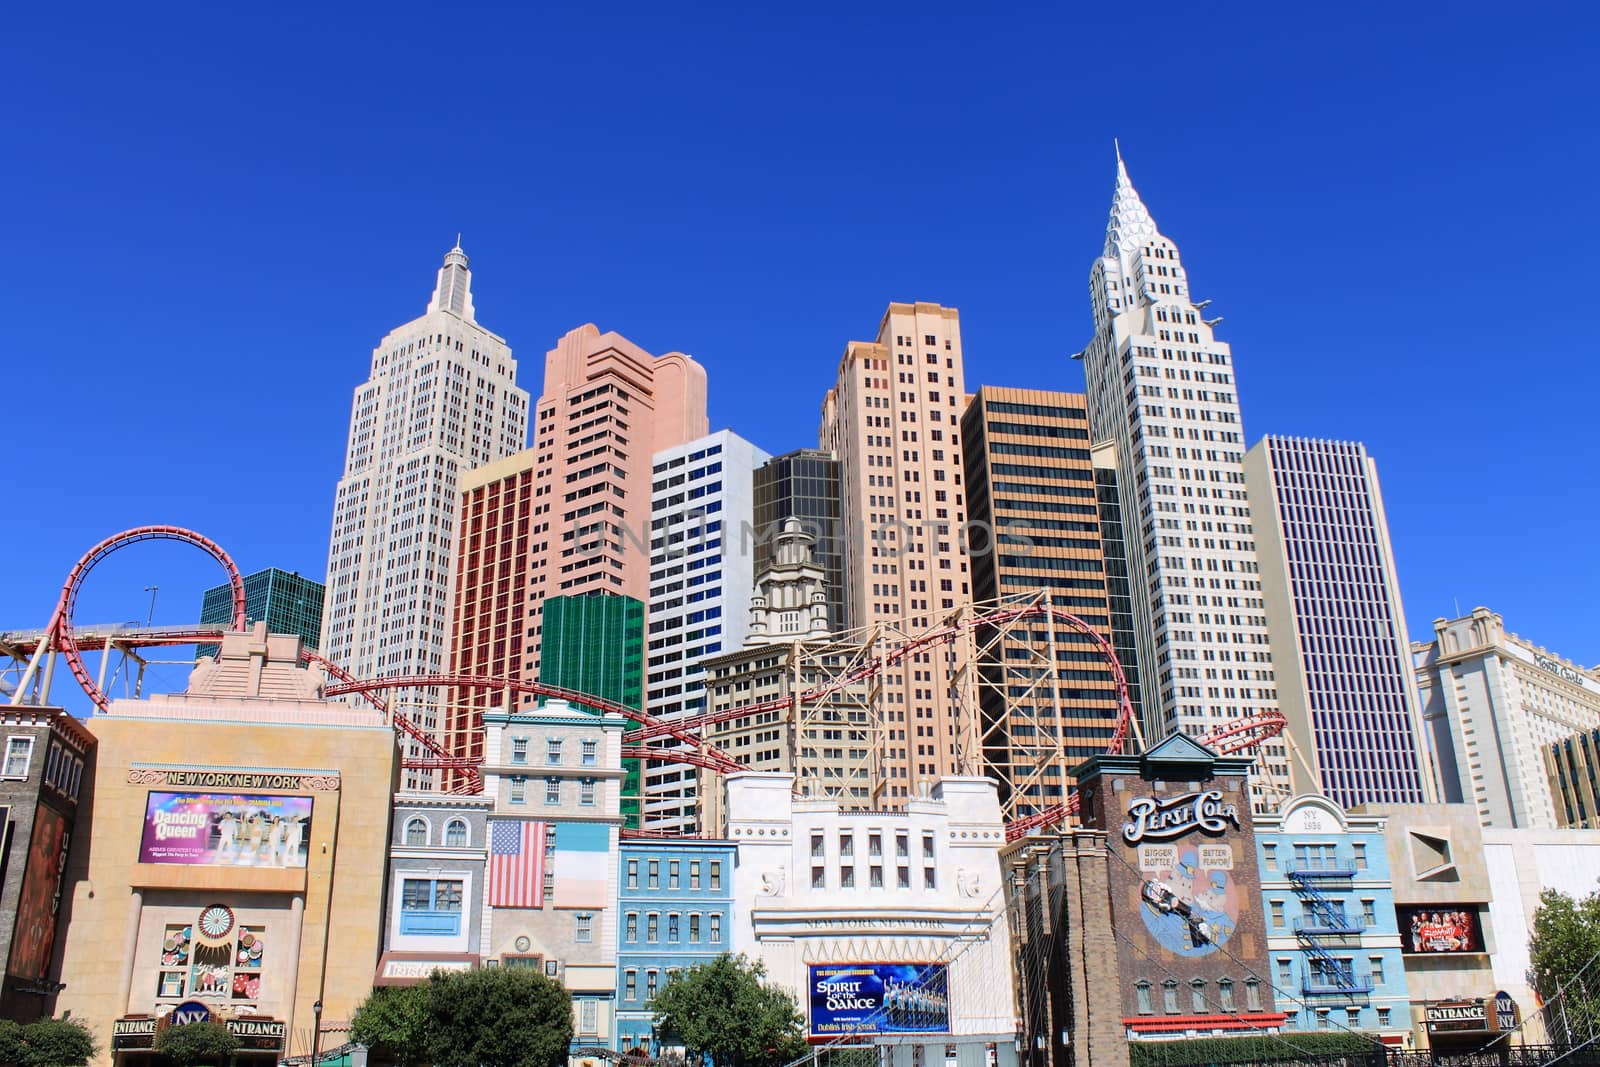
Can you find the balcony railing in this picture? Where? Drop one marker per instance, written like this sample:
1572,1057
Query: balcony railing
1313,983
1330,924
430,923
1335,866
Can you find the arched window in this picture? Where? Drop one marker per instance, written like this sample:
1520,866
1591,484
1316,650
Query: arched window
455,833
417,832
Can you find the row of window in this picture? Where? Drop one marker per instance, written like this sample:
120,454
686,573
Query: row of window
674,874
553,790
588,755
1198,996
676,925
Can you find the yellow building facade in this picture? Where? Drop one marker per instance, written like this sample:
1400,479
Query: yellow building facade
238,839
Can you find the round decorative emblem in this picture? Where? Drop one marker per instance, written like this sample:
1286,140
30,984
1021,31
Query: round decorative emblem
216,922
523,944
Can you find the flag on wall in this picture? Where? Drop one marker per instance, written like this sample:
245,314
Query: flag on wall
583,856
516,864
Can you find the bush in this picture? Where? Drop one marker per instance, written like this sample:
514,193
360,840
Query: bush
56,1043
501,1017
1255,1048
193,1044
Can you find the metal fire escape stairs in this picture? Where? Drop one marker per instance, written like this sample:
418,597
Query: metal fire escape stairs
1323,918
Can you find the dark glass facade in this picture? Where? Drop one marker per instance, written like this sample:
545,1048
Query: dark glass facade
595,644
804,485
287,602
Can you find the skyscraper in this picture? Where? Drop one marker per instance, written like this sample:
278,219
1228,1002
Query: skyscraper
893,421
287,603
1161,390
440,399
803,484
1032,499
701,574
1339,642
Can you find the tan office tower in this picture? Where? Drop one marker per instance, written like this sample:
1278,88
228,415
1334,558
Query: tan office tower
893,420
441,398
569,516
1036,537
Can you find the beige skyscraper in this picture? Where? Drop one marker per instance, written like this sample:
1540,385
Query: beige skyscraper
441,399
1161,389
894,422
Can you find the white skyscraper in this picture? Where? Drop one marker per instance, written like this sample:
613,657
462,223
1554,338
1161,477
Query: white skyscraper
702,570
1161,389
441,398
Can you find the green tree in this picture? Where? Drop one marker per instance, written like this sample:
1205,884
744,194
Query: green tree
1565,958
499,1017
56,1043
11,1047
192,1044
724,1010
393,1023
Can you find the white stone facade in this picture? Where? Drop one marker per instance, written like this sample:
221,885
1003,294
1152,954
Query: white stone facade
817,885
441,399
1161,388
701,573
1491,702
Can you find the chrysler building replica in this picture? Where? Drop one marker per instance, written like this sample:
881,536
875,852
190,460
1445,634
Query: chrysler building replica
442,398
791,599
1161,390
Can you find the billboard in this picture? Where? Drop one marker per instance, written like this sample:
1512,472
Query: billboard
226,829
1440,929
879,998
35,935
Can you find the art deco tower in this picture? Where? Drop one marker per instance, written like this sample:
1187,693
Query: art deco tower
1162,392
441,399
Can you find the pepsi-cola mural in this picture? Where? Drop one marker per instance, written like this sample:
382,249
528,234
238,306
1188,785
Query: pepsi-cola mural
1185,898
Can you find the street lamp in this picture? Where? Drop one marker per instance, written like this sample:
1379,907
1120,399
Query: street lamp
316,1034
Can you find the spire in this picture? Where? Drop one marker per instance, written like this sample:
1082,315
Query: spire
1130,226
453,291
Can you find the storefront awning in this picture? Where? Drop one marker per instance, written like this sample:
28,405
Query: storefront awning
413,968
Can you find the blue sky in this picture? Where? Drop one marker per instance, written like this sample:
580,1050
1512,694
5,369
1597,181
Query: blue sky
217,211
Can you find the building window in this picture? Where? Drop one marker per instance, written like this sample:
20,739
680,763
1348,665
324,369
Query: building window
1269,855
672,874
590,754
1197,995
583,927
874,845
1142,993
552,750
652,927
552,790
694,928
1252,994
1225,995
816,846
630,984
633,874
519,790
416,832
1169,997
930,878
694,874
589,1016
19,754
1383,1018
519,750
1377,970
1369,912
716,928
716,874
632,927
1360,849
455,833
847,877
903,878
655,874
430,907
1322,1019
672,928
819,878
586,792
1285,972
1277,913
902,845
847,845
651,977
1352,1018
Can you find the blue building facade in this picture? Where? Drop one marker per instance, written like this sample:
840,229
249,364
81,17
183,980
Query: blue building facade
674,910
1333,937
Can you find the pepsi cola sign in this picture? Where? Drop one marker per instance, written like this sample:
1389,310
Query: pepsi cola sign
1155,819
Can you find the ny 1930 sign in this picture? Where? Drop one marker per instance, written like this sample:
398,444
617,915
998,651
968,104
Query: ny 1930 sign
1172,817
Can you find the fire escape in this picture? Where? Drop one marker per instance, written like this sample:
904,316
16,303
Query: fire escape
1324,925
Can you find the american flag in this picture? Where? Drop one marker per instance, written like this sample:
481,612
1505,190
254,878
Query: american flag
516,864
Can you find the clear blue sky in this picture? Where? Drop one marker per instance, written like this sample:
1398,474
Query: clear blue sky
216,211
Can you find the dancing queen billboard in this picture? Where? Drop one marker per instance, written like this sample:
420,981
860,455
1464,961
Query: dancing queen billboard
226,829
879,998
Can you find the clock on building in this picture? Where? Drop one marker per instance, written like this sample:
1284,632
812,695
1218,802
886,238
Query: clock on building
216,922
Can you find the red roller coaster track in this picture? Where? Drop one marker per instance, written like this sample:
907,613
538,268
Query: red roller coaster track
1235,737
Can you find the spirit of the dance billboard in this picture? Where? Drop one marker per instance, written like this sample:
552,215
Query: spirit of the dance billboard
879,998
